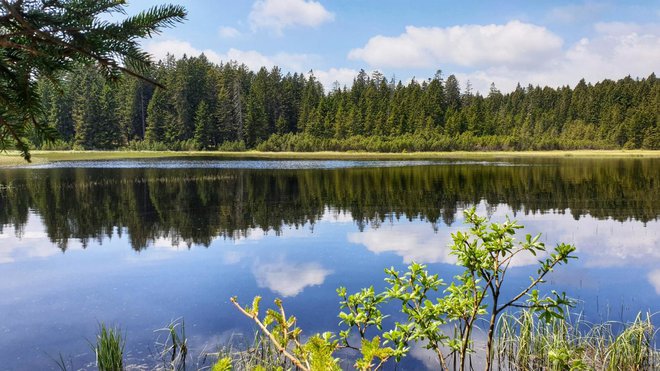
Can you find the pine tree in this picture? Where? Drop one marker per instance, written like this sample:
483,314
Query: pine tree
256,120
434,101
204,127
87,110
224,116
453,93
106,133
160,111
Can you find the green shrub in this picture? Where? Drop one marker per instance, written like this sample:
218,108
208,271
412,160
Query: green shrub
485,252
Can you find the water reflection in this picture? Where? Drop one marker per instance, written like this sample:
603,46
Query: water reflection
288,279
600,243
141,246
654,279
192,206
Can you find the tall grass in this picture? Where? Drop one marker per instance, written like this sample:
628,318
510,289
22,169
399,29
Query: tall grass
260,353
524,342
109,349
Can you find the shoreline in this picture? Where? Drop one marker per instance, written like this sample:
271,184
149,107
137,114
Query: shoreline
12,158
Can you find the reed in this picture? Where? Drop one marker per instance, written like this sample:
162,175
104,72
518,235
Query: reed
524,342
174,348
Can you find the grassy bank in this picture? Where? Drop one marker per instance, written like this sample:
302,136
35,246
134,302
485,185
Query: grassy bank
39,157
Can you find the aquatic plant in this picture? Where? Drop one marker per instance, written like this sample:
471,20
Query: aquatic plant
109,349
174,349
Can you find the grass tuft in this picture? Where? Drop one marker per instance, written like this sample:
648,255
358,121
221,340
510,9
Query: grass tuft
109,349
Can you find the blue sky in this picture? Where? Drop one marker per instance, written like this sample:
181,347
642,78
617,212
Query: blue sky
539,42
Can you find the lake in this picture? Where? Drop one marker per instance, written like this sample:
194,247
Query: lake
140,243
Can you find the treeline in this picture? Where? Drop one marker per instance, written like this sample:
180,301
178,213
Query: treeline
229,107
185,205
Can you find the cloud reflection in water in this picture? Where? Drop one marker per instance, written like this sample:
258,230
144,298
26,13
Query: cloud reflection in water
289,279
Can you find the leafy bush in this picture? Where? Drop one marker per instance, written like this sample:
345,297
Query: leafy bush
57,145
485,252
229,146
145,145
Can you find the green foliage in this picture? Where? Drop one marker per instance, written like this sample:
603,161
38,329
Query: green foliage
362,311
485,252
249,354
109,349
633,348
424,317
238,146
145,145
318,352
372,350
314,355
223,364
42,40
56,145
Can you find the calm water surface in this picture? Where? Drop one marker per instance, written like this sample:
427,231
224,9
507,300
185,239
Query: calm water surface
140,243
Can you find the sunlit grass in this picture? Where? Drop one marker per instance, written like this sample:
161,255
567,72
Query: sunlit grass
14,159
526,343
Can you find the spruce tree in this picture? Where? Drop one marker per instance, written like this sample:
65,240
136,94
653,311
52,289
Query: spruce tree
204,127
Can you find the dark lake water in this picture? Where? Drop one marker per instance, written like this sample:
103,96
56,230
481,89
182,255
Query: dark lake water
140,243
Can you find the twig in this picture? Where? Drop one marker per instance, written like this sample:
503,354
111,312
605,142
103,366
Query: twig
264,329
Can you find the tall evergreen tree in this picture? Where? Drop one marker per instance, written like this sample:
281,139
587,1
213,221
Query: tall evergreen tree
205,128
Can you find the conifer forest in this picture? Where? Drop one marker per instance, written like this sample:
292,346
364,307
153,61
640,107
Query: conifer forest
205,106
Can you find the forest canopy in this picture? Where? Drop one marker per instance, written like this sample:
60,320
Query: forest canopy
229,107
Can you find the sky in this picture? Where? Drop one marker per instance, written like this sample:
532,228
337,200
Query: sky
538,42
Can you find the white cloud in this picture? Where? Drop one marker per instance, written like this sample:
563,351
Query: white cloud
160,49
280,14
344,76
514,43
616,50
252,58
654,279
519,52
289,279
228,32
